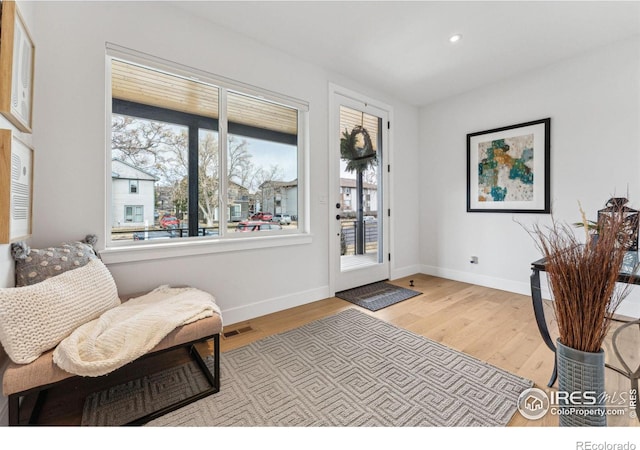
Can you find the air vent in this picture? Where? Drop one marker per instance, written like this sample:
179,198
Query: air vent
231,333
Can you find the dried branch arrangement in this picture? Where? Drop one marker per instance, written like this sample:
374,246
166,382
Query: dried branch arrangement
582,278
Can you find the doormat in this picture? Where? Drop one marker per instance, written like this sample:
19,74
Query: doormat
345,370
376,296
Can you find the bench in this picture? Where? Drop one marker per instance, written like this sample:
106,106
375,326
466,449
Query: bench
37,377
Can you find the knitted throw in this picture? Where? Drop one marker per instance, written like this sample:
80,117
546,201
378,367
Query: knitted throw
130,330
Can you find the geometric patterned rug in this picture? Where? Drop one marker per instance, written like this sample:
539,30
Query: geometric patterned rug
345,370
376,296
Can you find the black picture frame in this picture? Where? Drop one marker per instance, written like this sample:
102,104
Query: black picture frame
509,169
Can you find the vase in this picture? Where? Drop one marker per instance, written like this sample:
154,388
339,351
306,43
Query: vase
581,395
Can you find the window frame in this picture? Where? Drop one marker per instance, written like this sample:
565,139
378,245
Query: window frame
123,251
134,208
134,184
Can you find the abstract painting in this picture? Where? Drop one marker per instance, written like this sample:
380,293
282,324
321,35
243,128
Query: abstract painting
508,169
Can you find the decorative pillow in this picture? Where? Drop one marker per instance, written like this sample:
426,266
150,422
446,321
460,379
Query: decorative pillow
36,265
34,319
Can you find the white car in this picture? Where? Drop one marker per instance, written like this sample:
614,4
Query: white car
282,219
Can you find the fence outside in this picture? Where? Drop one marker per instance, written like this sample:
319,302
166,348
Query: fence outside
348,236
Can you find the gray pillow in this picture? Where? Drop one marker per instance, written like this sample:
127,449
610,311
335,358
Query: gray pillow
36,265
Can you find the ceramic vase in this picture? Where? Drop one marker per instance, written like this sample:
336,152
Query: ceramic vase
581,393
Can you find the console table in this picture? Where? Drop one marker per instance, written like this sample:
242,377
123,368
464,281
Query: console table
628,274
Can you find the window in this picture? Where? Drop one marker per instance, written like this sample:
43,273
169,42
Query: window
209,153
134,214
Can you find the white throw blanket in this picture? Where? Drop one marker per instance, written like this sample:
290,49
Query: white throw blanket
126,332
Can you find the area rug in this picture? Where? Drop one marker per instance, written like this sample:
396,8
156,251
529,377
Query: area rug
376,296
346,370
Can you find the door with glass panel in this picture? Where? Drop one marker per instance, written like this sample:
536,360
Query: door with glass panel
360,210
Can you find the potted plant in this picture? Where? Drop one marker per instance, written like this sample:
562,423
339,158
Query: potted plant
582,277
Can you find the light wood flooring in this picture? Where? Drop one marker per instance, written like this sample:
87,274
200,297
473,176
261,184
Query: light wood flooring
492,325
495,326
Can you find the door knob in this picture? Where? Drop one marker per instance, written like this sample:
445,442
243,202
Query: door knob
337,216
338,205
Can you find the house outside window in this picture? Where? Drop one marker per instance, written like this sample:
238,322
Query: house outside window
349,204
168,125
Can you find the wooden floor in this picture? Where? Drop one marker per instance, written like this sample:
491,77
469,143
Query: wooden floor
492,325
495,326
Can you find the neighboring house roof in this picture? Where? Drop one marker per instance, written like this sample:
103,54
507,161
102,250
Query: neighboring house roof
126,171
348,182
238,186
279,184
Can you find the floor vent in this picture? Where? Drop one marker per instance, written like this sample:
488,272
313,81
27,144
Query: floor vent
232,333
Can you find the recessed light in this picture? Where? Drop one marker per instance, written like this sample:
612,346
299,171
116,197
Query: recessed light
455,38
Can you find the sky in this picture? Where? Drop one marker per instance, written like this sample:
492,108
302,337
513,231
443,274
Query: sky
267,154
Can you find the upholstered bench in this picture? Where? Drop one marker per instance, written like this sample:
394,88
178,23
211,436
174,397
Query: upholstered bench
42,374
64,326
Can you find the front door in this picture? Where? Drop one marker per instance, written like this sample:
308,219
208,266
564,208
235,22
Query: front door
360,231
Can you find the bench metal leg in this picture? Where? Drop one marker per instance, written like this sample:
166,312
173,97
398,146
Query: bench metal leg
212,378
14,409
212,375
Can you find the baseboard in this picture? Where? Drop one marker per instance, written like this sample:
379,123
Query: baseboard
405,271
630,307
483,280
261,308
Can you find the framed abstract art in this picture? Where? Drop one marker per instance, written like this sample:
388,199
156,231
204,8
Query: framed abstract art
508,169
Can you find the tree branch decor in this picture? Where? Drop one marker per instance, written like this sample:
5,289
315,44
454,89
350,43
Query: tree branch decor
582,277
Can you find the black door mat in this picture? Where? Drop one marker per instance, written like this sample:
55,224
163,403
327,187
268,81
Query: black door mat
376,296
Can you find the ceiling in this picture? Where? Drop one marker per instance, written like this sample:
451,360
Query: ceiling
403,48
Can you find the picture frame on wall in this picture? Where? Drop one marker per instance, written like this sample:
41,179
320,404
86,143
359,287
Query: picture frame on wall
17,53
508,169
16,188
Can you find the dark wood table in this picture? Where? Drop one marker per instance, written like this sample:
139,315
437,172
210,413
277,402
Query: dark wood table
629,273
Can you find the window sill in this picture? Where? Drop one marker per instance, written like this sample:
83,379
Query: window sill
146,252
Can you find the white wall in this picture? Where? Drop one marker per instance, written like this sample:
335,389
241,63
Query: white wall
70,148
7,277
594,104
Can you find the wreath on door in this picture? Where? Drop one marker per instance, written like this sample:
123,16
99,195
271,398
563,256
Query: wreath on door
358,158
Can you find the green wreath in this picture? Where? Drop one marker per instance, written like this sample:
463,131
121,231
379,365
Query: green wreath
358,158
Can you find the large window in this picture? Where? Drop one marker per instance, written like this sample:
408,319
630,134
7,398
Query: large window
202,159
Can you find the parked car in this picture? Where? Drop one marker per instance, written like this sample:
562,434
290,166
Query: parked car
282,219
252,225
264,216
170,233
208,232
154,234
169,221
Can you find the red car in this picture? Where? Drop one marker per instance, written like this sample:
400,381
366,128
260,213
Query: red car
262,216
169,221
